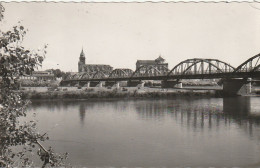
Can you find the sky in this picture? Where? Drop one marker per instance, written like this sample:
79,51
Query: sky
119,34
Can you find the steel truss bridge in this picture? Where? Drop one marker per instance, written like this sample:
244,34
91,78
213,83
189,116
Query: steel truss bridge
196,68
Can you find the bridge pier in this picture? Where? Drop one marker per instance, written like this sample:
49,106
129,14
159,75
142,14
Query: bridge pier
236,87
116,85
141,85
87,85
101,84
171,84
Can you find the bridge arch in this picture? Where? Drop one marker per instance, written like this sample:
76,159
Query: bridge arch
85,75
200,66
155,70
99,75
74,76
150,70
250,65
121,73
255,68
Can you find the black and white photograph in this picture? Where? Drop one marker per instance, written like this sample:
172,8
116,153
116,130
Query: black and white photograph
129,84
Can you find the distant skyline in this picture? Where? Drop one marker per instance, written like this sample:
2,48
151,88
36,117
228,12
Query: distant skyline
119,34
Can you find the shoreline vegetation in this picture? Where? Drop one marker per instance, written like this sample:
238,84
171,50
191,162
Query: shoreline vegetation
104,93
52,90
122,92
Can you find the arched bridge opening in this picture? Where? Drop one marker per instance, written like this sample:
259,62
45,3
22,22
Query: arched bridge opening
100,75
250,65
151,70
200,66
117,73
85,75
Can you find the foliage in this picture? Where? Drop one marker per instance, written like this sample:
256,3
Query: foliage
18,140
2,9
37,83
58,73
66,75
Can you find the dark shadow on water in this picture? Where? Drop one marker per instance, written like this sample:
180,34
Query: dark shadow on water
82,112
241,111
237,107
198,114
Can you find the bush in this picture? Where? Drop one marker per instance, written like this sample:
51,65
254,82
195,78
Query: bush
37,83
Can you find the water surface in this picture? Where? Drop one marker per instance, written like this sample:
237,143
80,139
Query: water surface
146,133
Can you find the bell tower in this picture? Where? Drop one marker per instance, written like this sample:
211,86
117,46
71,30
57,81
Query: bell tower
81,62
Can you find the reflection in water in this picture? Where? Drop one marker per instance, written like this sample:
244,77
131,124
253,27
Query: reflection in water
194,113
167,132
82,112
153,110
237,107
241,111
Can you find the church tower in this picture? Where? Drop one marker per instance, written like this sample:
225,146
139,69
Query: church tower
81,62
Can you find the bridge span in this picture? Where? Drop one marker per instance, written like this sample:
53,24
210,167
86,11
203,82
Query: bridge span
233,79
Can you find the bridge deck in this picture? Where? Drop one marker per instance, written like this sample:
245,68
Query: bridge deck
175,77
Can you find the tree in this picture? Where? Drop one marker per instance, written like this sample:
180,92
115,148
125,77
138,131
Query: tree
19,139
2,9
66,75
57,72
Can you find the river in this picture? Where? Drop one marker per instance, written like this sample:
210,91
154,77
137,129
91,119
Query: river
153,133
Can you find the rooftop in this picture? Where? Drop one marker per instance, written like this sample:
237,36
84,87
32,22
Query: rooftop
159,59
96,65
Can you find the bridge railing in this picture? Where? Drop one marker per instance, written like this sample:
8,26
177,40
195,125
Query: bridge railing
189,72
192,72
246,69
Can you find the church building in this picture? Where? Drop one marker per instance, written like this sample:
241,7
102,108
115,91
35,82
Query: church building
92,68
159,63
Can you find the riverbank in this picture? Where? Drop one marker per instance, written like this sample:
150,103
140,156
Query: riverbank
99,93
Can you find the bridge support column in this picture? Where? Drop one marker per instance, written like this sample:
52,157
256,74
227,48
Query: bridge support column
141,85
171,84
87,85
236,87
116,85
101,84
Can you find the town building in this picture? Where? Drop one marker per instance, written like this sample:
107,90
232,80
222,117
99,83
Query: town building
158,63
39,75
92,68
